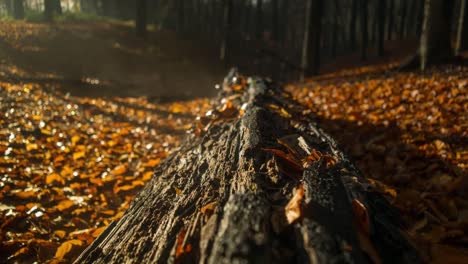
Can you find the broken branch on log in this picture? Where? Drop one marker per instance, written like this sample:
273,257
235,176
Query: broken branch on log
255,181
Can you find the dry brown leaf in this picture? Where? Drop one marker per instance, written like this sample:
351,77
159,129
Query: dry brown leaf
293,210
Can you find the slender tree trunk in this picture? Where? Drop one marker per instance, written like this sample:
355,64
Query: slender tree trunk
462,31
18,9
335,28
285,21
259,19
315,37
49,10
58,7
305,42
390,19
381,7
364,29
141,17
9,7
227,25
401,28
181,16
420,17
275,22
353,24
435,43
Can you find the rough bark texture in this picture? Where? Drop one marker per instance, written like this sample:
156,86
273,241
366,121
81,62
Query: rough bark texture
222,197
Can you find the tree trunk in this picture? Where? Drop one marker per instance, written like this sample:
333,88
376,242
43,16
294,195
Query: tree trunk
315,34
364,29
285,21
390,19
140,19
381,7
435,43
9,6
57,7
49,10
275,21
231,194
353,24
227,25
462,31
335,27
18,9
305,42
401,28
259,19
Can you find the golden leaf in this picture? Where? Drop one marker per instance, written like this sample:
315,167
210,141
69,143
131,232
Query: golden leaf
66,247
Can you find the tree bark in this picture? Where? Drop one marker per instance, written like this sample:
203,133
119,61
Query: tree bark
381,7
58,7
435,43
390,19
231,194
364,28
462,31
49,10
259,19
18,9
227,25
275,21
353,24
315,37
401,28
140,19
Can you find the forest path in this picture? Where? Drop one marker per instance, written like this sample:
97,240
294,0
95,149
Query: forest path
108,53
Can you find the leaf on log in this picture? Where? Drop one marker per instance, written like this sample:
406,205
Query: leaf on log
293,209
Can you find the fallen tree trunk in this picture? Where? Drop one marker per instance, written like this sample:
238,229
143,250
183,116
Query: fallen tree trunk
255,181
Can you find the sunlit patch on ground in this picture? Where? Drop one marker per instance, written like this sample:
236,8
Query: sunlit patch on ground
70,165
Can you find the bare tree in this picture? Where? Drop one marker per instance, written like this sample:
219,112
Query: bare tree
462,31
435,43
364,29
381,6
18,7
141,18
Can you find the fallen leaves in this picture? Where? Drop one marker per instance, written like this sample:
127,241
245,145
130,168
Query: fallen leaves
407,132
70,164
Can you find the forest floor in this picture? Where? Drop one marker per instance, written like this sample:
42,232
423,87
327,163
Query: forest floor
82,128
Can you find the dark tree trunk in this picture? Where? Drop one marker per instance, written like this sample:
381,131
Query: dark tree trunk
381,7
401,28
140,19
275,20
364,29
353,24
462,32
181,16
259,19
49,10
285,20
335,28
315,37
233,195
390,19
227,26
58,7
18,9
435,38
